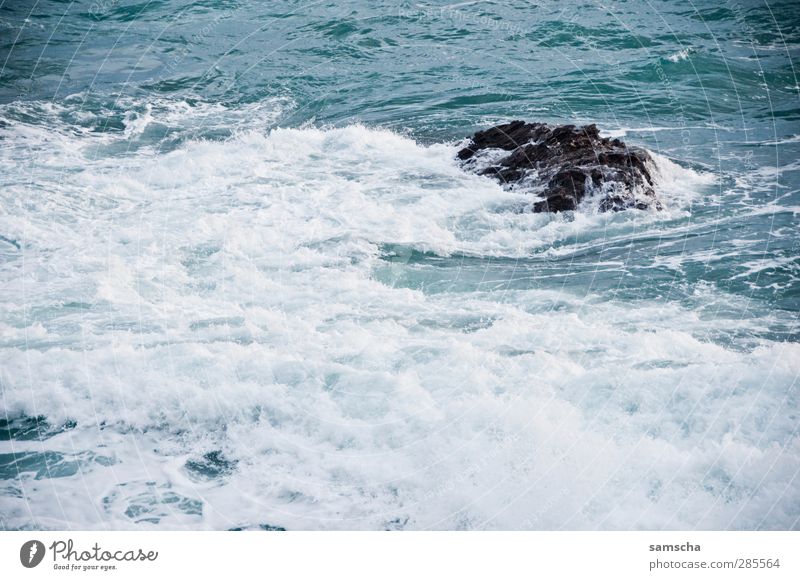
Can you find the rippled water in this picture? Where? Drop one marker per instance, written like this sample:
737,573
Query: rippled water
246,285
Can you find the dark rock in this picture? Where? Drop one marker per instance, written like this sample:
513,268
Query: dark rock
563,164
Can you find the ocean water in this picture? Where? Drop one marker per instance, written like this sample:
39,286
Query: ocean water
244,283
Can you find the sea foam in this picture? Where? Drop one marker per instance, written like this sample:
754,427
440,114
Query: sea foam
204,333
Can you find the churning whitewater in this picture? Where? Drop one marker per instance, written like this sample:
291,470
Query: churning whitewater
311,328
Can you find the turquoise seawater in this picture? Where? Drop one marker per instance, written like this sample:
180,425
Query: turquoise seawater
245,284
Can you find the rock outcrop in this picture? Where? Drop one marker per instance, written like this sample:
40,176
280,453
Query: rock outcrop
564,164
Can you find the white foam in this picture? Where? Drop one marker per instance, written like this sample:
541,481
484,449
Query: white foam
679,186
222,297
680,55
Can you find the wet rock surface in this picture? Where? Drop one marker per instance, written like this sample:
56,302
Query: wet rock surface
564,164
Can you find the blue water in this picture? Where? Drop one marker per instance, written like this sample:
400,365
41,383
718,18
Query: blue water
245,284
